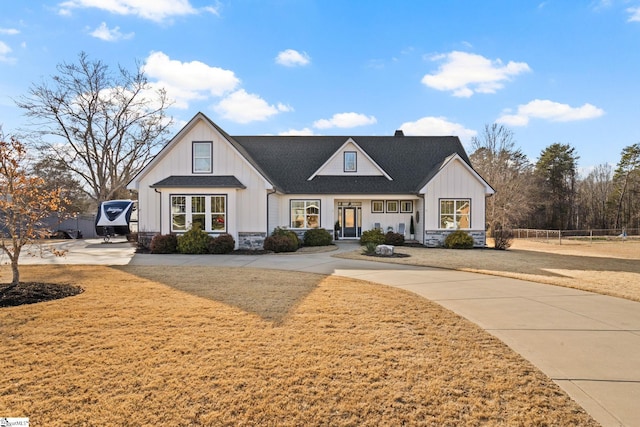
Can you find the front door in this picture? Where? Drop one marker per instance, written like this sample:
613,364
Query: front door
349,222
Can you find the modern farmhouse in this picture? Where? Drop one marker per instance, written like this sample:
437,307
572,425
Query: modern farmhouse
248,185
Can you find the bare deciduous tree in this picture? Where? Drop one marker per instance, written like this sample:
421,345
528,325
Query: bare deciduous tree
497,159
101,126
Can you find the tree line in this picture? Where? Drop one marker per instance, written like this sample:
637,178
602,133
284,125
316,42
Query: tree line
549,193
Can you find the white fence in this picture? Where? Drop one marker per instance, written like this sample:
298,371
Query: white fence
588,235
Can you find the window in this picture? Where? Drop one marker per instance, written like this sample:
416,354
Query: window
218,213
178,213
209,211
305,213
350,161
392,206
455,214
198,212
202,157
406,206
377,206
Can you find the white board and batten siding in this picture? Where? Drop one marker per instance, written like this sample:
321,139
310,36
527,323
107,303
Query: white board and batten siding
454,181
246,208
335,165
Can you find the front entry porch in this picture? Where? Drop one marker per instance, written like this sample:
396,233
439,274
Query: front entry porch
349,221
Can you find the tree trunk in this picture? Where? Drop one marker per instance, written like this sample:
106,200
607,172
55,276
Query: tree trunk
15,271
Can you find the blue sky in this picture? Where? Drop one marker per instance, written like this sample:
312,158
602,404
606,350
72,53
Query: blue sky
563,71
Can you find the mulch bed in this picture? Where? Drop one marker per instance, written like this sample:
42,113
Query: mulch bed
33,292
395,255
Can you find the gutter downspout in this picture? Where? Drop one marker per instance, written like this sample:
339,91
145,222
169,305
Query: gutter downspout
160,193
424,206
268,194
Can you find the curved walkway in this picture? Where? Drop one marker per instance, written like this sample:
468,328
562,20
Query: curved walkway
589,344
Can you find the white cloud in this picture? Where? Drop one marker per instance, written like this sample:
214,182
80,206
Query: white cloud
634,13
551,111
293,58
437,126
154,10
9,31
466,73
109,35
243,107
4,51
298,132
345,120
186,81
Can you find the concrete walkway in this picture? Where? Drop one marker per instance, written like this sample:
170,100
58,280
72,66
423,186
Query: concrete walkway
588,344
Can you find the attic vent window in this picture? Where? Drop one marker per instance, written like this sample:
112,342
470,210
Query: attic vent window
350,161
399,132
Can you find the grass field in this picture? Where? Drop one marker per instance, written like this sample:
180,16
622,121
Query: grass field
220,346
605,267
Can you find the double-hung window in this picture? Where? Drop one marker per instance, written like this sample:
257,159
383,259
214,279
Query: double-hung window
202,157
208,211
455,213
305,213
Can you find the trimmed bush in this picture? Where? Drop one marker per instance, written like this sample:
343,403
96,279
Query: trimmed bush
222,244
395,239
372,236
194,241
279,231
458,240
317,237
280,243
164,244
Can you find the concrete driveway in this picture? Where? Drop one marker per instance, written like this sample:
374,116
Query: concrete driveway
588,344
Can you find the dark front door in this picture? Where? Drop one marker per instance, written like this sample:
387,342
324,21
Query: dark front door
349,222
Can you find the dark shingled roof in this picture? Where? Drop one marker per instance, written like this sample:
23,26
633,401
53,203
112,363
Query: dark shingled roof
199,181
289,161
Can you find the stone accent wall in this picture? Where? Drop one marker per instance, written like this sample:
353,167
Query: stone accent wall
251,240
435,238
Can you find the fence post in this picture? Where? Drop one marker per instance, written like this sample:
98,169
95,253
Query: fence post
560,236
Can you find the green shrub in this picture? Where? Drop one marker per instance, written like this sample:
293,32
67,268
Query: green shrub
279,231
164,244
194,241
280,243
317,237
458,240
369,248
372,236
222,244
395,239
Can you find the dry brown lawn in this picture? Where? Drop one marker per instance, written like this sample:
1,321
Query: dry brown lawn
221,346
605,267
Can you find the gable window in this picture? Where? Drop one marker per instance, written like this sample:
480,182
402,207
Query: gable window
305,213
209,211
350,161
455,213
202,158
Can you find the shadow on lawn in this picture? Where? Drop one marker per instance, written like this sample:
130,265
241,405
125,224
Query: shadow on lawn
539,263
270,294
